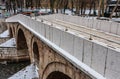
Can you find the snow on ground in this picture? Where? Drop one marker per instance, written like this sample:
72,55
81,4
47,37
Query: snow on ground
30,72
4,34
47,22
9,43
44,10
116,19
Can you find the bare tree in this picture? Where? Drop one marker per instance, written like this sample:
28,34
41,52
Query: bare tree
99,8
52,2
114,8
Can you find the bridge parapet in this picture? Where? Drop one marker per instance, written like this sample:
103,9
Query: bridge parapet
95,54
104,26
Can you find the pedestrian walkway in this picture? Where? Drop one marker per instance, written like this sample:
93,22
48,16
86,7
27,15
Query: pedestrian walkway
110,40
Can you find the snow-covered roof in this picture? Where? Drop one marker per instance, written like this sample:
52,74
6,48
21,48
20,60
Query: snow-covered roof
4,34
9,43
29,72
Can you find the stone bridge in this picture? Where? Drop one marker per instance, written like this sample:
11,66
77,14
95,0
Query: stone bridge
60,54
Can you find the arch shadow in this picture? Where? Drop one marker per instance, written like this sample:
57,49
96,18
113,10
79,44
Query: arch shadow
22,48
57,75
21,40
10,33
36,53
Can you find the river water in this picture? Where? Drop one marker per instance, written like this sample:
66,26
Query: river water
7,70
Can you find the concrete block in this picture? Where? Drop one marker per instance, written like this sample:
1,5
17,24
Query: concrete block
97,24
67,42
90,23
118,31
73,20
78,20
78,47
87,52
113,65
99,58
56,36
51,33
68,18
31,23
42,29
47,31
110,74
114,28
36,26
105,26
85,22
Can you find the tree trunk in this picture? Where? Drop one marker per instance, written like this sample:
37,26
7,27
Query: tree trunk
99,9
102,6
114,8
72,5
52,5
82,6
94,12
90,7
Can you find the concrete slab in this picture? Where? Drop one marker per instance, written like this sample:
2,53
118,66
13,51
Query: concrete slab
56,36
113,64
110,74
78,48
80,21
87,52
36,26
114,28
67,42
90,23
105,26
42,29
47,31
51,34
118,31
98,58
97,24
85,22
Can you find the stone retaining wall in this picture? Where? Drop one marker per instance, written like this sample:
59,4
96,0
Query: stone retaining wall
7,52
3,27
2,40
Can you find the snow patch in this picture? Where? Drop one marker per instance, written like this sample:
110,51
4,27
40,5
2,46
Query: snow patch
9,43
4,34
29,72
115,19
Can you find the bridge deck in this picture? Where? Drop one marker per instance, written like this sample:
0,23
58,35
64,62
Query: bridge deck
110,40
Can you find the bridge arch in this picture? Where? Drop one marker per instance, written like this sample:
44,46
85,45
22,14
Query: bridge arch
36,53
13,31
54,69
21,40
10,32
57,75
36,49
